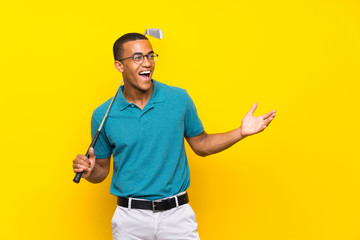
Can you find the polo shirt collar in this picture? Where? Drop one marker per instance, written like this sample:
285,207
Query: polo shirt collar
156,97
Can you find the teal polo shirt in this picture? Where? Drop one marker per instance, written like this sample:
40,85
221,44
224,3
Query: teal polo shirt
148,145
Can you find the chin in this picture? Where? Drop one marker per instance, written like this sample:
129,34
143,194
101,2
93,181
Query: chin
145,86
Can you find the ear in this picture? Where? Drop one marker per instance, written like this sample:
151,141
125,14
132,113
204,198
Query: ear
119,66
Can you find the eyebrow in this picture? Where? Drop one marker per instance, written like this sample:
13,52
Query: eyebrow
142,53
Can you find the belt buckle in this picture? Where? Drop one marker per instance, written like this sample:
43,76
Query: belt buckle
153,203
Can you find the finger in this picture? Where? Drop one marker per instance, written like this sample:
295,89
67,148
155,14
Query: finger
92,157
80,156
76,170
253,108
91,154
79,168
80,163
270,114
268,121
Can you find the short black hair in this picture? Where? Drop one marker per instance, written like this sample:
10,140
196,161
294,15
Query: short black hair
118,49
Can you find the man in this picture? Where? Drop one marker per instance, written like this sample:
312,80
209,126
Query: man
145,132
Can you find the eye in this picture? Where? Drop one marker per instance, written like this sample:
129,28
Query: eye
137,57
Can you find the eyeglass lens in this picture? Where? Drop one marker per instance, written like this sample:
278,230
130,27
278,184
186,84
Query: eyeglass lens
139,58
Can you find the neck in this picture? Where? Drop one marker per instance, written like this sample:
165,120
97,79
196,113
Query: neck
138,97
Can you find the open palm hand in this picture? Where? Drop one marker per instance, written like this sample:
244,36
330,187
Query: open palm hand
251,125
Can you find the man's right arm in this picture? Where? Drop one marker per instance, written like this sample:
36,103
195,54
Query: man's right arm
94,171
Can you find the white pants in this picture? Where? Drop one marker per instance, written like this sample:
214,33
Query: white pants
178,223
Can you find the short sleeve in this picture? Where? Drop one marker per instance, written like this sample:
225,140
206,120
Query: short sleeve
102,147
193,125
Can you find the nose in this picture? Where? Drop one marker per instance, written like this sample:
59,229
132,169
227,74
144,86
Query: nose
146,61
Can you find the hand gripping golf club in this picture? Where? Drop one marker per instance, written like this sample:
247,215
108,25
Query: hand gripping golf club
154,32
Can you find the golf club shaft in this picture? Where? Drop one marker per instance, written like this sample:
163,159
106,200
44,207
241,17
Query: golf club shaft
95,138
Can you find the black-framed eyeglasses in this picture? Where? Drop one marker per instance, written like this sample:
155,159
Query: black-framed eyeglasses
138,58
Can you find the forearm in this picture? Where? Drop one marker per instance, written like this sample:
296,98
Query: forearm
98,174
214,143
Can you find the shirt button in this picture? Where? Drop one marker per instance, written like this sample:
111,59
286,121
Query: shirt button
132,105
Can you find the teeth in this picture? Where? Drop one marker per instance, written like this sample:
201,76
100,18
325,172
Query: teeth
145,72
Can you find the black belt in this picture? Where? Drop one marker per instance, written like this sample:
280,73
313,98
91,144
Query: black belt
157,205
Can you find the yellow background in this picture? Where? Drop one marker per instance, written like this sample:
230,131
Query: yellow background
297,180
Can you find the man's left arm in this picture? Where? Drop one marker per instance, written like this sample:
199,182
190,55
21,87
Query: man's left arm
206,144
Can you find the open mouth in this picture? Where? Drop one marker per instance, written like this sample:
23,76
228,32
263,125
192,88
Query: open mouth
145,75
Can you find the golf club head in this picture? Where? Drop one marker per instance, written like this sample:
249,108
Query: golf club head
154,32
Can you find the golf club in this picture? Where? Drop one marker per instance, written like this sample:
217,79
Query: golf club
154,32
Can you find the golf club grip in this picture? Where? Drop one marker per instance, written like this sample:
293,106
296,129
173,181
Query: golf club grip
92,145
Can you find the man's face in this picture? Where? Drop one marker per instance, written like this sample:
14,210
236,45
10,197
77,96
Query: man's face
136,76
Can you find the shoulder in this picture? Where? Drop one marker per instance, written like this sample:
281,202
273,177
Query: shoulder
172,92
100,111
